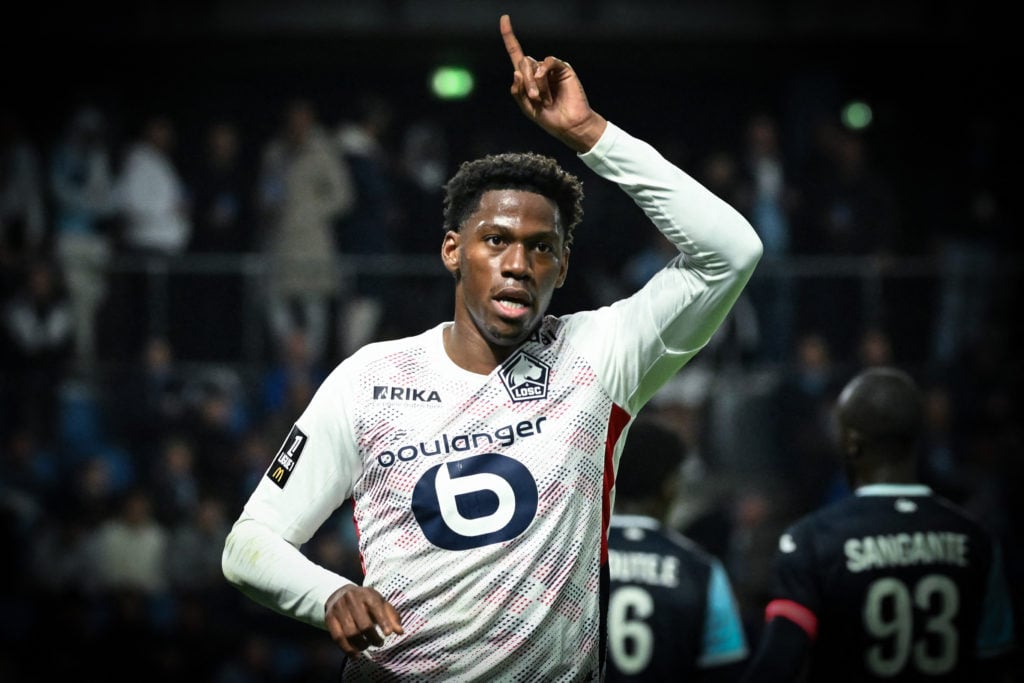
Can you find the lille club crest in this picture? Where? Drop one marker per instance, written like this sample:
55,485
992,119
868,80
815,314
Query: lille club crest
525,377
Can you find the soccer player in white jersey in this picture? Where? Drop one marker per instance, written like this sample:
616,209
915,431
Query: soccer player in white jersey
480,455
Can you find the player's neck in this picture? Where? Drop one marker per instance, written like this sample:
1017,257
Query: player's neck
885,473
471,351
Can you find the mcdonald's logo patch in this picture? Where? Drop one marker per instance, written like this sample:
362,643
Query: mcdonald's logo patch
286,458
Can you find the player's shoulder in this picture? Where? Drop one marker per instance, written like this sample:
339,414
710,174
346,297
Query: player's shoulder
815,527
378,356
970,521
582,324
384,348
871,506
916,499
689,547
948,505
653,536
827,514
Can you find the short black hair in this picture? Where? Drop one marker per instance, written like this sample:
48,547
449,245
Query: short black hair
652,454
526,171
885,404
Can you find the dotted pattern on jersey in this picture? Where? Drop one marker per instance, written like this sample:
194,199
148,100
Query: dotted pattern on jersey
466,611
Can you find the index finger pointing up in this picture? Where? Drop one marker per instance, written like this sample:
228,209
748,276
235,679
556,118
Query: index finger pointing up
515,52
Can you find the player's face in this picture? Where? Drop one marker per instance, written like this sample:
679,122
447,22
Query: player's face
508,258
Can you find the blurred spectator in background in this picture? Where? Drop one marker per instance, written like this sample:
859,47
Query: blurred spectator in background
151,193
672,614
221,182
193,547
81,184
649,257
256,449
701,509
939,465
92,491
31,478
303,189
37,343
767,196
59,555
173,480
150,399
57,579
848,208
802,416
289,382
23,215
215,422
29,493
128,549
128,581
424,165
875,348
969,247
154,225
374,225
738,341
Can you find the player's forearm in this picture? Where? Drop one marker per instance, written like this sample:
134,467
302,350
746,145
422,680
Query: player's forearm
275,574
713,235
688,299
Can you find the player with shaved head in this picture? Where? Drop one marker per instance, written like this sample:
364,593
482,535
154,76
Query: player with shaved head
893,583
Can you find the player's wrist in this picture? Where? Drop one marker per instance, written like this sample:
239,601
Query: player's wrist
582,137
336,595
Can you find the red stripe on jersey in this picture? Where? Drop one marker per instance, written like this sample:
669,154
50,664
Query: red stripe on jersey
355,523
617,421
795,612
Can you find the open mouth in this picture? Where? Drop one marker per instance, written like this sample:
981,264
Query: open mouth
513,302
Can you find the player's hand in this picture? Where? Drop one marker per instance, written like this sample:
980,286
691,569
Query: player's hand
550,93
358,617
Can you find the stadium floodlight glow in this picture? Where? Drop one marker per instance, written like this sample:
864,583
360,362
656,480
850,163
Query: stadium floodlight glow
857,115
451,82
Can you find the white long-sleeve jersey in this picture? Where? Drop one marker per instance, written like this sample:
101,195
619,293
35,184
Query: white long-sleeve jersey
482,501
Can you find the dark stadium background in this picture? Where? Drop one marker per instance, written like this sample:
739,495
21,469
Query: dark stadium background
683,72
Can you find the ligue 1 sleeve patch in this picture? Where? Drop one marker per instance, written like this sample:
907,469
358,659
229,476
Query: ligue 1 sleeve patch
287,457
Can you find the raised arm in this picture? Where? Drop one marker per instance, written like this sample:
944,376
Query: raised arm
683,305
551,95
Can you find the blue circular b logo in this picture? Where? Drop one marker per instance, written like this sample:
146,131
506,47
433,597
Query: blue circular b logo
474,502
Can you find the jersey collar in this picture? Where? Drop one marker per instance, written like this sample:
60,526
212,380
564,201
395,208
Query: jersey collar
894,490
634,520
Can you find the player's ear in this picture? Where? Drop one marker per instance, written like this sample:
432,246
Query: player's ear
450,252
853,444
